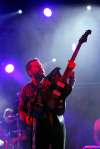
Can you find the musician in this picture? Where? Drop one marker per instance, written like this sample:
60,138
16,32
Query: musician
9,121
96,132
95,136
44,129
10,127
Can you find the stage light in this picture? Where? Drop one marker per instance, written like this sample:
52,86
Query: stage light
47,12
20,11
1,142
9,68
89,7
53,60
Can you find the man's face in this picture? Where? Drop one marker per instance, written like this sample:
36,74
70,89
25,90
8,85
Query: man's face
36,69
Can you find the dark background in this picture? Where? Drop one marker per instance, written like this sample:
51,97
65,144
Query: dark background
31,34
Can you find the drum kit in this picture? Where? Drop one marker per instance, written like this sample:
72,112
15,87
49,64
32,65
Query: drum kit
12,138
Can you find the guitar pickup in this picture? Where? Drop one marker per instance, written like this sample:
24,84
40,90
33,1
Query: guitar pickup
56,92
60,84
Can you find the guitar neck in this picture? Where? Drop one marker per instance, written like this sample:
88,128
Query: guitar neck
75,52
82,40
73,59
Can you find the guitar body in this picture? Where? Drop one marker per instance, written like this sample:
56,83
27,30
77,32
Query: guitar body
57,94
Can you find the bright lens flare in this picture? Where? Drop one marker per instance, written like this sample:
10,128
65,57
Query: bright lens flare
89,7
9,68
20,11
47,12
53,60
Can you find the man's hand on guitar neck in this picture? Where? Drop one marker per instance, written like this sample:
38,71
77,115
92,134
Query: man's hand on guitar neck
71,64
71,72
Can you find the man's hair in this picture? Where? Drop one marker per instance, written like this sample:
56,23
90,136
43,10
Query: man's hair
28,65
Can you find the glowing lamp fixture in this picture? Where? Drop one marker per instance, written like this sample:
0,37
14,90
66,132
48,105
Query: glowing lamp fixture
47,12
53,60
89,7
9,68
20,11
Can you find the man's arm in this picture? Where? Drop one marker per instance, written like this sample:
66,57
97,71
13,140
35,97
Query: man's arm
29,120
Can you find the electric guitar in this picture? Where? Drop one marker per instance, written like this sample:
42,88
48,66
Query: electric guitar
59,90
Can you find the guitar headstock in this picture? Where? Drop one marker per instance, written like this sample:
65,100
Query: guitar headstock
84,36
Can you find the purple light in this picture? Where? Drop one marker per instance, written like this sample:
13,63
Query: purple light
9,68
47,12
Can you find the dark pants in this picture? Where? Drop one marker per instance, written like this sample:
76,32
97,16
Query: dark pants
48,135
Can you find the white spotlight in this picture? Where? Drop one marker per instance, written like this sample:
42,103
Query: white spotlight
53,60
9,68
47,12
20,11
89,7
